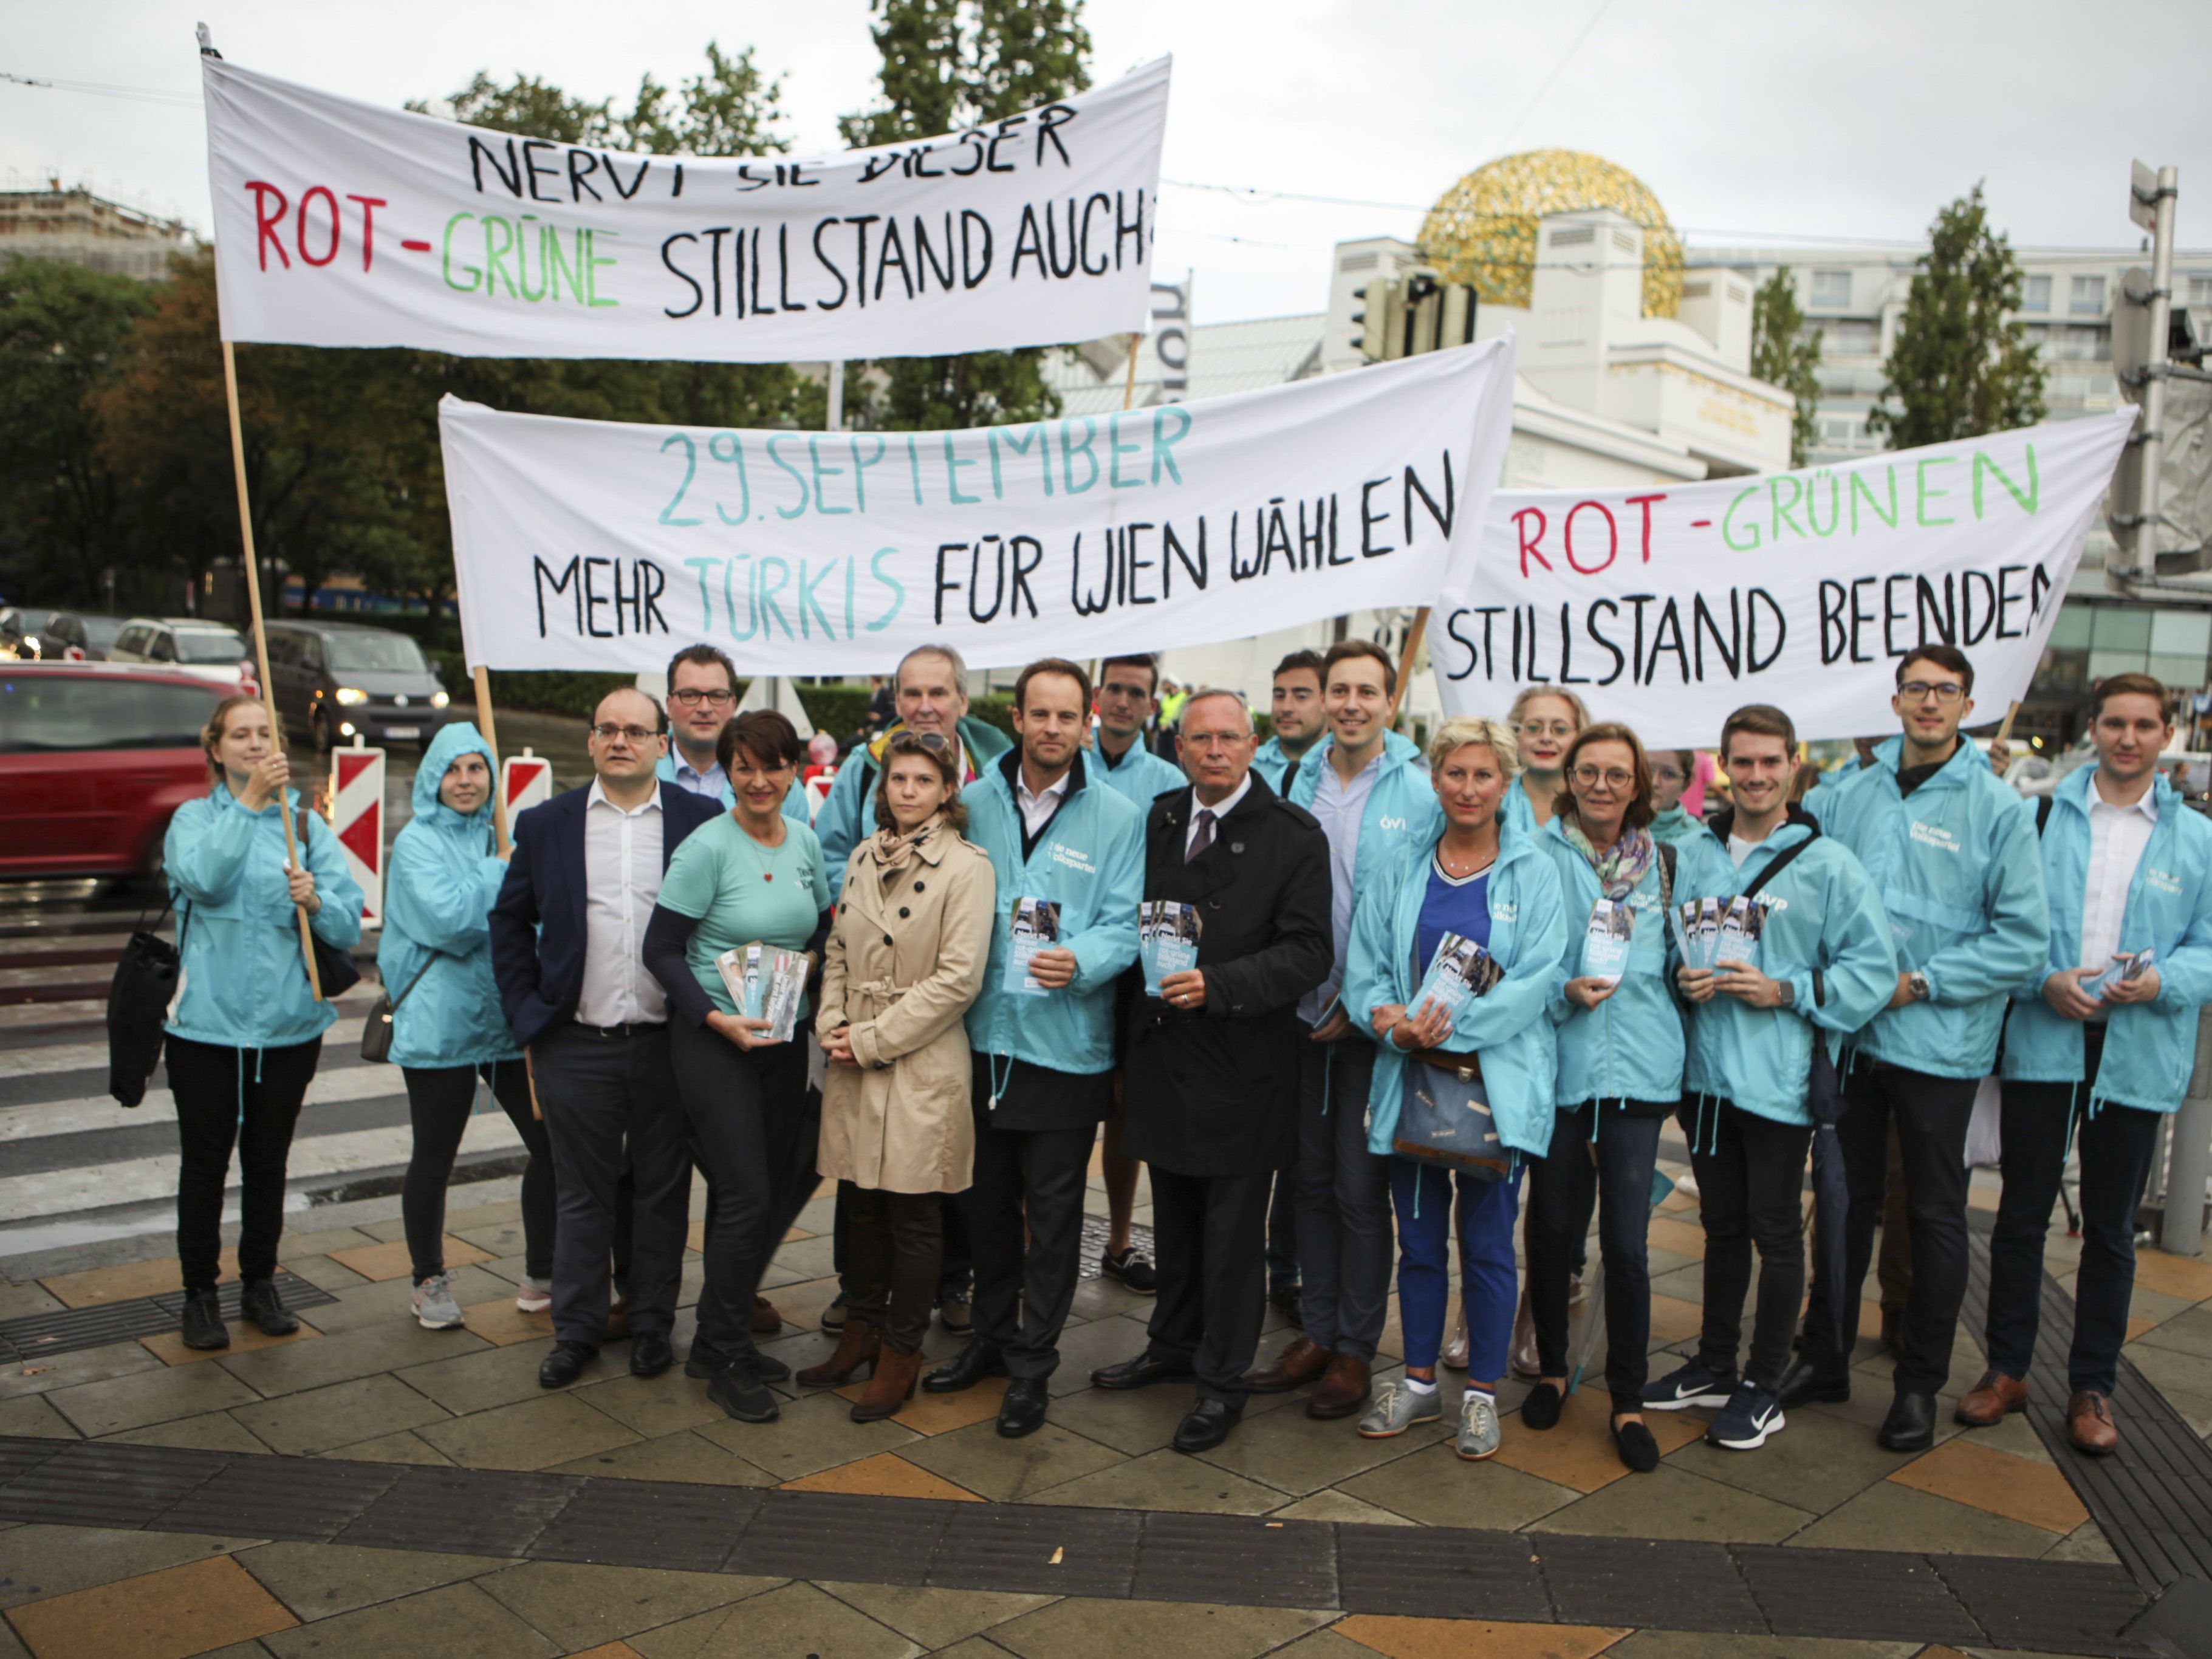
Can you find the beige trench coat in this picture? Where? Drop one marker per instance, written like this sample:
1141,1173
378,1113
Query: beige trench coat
904,960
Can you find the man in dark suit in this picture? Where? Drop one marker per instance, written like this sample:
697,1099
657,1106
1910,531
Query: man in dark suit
1211,1088
567,935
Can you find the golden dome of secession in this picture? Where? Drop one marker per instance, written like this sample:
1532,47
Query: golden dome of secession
1483,229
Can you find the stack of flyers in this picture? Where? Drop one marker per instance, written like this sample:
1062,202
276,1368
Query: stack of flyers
1606,942
1034,926
1740,929
766,982
1167,939
1710,930
1461,971
2126,965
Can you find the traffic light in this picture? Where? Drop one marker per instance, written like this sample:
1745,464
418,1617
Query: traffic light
1407,316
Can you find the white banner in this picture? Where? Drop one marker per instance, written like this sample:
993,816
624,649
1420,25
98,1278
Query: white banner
587,544
341,223
1668,606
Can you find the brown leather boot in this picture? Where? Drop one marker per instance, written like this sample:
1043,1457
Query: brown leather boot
767,1321
858,1344
890,1385
1344,1387
1985,1404
2089,1424
1299,1363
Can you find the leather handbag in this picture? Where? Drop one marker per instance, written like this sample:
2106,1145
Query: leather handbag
1443,1115
335,971
376,1029
138,999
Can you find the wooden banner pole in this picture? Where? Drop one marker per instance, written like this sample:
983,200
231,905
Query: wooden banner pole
489,726
1129,383
261,640
1405,659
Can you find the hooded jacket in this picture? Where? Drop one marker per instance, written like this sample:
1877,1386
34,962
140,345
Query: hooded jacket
1509,1028
1826,935
437,899
2151,1047
1091,858
1139,777
1955,865
244,983
1677,828
847,816
1270,761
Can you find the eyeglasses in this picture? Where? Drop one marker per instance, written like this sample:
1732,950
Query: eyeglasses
693,698
934,742
1612,777
634,733
1921,690
1667,774
1545,729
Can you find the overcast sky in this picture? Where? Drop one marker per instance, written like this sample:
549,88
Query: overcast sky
1759,116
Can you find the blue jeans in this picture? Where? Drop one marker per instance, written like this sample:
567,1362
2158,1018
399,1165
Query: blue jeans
1422,1194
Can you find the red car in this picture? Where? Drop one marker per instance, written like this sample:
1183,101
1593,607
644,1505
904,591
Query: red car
93,759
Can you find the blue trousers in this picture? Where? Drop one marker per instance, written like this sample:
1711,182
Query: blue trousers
1423,1196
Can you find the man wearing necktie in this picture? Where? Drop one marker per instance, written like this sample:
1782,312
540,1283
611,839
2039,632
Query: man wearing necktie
1211,1072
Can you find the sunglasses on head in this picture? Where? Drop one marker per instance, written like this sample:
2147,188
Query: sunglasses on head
933,742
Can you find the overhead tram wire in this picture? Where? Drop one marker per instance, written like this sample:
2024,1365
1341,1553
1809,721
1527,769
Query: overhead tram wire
174,99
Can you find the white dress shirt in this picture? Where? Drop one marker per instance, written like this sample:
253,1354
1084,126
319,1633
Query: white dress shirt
1037,810
1219,812
621,880
2118,836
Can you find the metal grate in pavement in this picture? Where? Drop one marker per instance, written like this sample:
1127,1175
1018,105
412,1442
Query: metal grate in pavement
33,1336
1094,1244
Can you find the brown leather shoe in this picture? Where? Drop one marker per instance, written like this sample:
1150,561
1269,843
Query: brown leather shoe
1985,1404
618,1320
1344,1387
890,1386
2089,1424
1299,1363
858,1344
767,1321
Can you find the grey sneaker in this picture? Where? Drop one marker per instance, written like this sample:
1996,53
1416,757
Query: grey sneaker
1397,1408
435,1307
1478,1427
533,1296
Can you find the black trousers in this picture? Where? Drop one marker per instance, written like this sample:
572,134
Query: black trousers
1209,1237
894,1243
440,1099
1615,1173
248,1098
1750,1182
611,1105
753,1135
955,1272
2117,1145
1931,1115
1034,1178
1282,1233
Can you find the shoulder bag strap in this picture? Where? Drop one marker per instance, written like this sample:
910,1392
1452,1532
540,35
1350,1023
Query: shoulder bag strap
414,981
1779,862
1666,876
2043,805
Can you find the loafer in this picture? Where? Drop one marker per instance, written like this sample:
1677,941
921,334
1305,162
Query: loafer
565,1364
1302,1361
1344,1387
1541,1409
1802,1382
1397,1408
1205,1425
978,1361
203,1326
650,1353
740,1392
2089,1424
1478,1435
1021,1412
258,1302
1911,1424
1639,1452
766,1321
1141,1372
1134,1271
1990,1400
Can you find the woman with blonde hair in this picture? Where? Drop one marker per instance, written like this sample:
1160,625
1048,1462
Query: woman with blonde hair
1544,720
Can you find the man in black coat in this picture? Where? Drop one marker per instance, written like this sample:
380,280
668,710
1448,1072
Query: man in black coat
1212,1080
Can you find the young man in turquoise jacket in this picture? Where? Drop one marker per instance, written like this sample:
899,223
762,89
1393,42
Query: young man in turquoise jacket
1070,861
2129,869
1951,851
1820,969
1371,791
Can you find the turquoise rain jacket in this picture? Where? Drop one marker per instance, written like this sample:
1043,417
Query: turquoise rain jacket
1826,933
1271,763
1676,828
847,816
1401,809
2151,1046
438,896
1631,1045
245,982
1091,859
1138,778
1516,813
1955,865
1510,1028
794,798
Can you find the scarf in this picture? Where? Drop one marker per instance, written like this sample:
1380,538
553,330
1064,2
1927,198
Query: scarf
892,851
1622,865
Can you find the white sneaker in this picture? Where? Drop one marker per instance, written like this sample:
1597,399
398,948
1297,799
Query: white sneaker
1397,1408
534,1295
435,1307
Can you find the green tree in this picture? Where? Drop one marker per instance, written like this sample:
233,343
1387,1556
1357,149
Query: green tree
1784,352
732,109
949,66
1960,367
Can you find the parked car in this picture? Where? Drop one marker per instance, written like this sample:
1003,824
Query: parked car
211,651
94,759
34,635
95,636
338,680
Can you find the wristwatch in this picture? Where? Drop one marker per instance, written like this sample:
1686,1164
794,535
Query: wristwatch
1917,982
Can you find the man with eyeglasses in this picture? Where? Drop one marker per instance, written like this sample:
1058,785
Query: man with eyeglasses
702,695
567,949
1951,853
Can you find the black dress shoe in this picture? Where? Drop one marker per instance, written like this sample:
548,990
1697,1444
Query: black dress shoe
259,1303
650,1354
1021,1412
1205,1425
1141,1372
203,1326
1803,1382
978,1361
565,1364
740,1392
1911,1424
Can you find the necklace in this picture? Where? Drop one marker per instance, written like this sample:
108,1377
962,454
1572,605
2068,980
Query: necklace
1452,866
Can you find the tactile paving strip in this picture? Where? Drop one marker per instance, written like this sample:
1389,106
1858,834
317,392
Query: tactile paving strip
1037,1549
650,1523
1646,1581
1238,1559
35,1336
1440,1572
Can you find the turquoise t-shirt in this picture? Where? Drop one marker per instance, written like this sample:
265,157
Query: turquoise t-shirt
744,893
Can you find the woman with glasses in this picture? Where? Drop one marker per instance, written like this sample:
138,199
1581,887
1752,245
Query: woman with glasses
1543,722
904,960
1672,772
751,877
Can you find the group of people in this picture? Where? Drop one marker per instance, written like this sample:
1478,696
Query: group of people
623,983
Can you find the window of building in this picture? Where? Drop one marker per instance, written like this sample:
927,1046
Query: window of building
2200,291
2035,294
2079,344
1831,287
1851,337
2182,634
2088,296
2070,631
2118,627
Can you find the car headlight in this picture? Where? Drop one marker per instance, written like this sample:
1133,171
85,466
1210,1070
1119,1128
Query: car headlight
349,695
439,700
